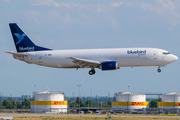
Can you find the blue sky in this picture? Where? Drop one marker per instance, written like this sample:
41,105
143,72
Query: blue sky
82,24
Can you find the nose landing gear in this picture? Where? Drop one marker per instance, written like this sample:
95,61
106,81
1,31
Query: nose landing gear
92,72
159,70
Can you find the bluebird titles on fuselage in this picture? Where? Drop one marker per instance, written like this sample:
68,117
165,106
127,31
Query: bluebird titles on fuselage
140,52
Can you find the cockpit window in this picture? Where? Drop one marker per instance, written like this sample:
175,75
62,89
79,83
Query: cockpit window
166,53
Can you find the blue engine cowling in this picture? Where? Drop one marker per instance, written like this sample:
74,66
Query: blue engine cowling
109,65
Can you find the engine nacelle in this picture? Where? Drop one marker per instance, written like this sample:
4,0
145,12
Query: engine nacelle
109,65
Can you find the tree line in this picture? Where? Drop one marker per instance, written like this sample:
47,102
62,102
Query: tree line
25,104
14,104
152,104
89,103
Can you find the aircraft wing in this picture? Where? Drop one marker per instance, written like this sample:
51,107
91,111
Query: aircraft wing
85,63
17,54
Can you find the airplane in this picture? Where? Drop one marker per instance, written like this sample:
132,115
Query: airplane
104,59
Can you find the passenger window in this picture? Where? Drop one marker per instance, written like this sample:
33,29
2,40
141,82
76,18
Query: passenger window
48,54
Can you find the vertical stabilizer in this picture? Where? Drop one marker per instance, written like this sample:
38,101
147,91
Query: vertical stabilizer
22,41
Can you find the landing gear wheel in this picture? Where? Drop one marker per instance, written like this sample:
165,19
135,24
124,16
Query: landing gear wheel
159,70
91,72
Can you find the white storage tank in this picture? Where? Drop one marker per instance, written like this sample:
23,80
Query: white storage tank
130,100
170,100
48,102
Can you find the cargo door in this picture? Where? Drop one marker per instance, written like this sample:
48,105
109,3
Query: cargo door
155,54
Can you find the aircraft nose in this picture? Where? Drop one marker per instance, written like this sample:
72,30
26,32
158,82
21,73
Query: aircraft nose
175,58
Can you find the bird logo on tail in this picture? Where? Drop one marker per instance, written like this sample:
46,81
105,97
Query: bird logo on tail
20,37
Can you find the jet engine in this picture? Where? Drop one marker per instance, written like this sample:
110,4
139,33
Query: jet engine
109,65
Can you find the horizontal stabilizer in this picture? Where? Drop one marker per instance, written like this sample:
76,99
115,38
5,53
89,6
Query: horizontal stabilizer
18,54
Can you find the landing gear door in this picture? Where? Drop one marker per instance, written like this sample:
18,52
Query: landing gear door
40,60
155,54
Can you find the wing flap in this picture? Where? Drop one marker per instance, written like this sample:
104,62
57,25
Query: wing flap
85,62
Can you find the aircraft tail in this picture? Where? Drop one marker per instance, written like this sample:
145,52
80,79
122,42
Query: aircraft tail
22,41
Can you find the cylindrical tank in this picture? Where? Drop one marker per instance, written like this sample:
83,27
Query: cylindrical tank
49,96
130,96
130,100
48,102
170,100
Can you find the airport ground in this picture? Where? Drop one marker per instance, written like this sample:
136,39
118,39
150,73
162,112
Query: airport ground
30,116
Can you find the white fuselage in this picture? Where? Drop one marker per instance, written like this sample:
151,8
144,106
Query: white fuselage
125,57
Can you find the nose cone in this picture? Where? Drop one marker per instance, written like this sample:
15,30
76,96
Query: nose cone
171,58
174,58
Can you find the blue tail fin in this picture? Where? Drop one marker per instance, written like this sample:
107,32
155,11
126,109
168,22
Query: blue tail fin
22,41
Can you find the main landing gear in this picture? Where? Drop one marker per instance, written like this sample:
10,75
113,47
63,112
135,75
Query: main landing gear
159,70
92,72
